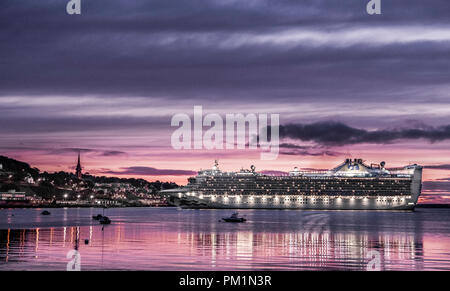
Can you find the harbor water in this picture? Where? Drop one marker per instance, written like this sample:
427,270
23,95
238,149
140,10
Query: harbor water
183,239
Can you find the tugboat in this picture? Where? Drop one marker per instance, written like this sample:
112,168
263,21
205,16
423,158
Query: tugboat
97,217
234,218
105,220
45,212
102,218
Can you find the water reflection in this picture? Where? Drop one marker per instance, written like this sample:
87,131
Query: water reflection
310,250
311,242
307,250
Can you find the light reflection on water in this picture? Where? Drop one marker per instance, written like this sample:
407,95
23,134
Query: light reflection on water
175,239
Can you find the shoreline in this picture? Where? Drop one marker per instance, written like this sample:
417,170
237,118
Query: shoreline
433,206
79,206
159,206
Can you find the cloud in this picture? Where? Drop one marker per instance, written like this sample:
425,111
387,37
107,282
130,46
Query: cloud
300,150
436,186
148,171
52,124
310,153
58,151
438,167
216,49
74,151
294,146
331,133
113,153
106,153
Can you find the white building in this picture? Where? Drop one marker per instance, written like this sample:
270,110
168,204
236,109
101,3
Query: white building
29,180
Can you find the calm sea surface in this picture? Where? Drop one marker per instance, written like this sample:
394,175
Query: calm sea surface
176,239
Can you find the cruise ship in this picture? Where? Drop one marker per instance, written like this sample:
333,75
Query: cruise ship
353,185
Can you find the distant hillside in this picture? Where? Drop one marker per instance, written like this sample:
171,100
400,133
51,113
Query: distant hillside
11,165
48,185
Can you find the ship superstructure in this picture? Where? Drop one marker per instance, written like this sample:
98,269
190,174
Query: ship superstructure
351,185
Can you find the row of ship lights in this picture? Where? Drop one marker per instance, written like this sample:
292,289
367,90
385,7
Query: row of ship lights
286,198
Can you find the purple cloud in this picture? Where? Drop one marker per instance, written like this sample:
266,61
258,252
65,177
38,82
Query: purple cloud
436,186
149,171
438,167
332,133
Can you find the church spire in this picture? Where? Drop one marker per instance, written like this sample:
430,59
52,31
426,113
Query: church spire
78,169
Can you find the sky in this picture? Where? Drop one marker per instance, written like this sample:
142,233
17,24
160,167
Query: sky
108,82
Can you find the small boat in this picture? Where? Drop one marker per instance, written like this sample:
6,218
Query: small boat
45,212
105,220
97,217
234,218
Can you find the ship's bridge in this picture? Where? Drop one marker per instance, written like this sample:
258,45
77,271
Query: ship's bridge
357,168
211,172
